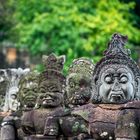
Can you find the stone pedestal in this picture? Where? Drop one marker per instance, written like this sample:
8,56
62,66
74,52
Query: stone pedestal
39,137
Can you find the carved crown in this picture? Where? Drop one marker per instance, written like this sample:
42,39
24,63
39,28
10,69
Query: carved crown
52,75
82,65
117,54
54,65
53,62
116,45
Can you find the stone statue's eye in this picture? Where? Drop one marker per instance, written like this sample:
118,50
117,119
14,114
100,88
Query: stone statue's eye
13,96
108,79
71,84
35,89
123,79
42,90
82,83
41,97
25,90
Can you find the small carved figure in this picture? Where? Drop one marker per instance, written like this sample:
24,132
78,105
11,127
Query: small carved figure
61,124
51,89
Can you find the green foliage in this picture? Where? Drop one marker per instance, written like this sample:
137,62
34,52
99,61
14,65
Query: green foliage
5,20
71,27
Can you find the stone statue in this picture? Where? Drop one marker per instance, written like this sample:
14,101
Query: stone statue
11,120
78,83
116,81
116,75
51,89
61,124
14,76
128,122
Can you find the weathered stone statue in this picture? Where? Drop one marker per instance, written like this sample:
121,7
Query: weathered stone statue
51,89
128,122
14,76
78,83
116,78
117,75
11,119
61,124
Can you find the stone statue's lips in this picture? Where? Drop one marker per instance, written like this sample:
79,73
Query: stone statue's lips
47,100
117,96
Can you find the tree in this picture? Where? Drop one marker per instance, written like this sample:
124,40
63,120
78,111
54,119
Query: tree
74,28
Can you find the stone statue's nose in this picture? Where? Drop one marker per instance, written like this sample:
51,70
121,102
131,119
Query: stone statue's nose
116,86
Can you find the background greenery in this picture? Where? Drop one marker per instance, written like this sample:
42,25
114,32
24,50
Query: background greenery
75,28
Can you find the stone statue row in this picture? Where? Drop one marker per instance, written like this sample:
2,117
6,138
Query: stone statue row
93,102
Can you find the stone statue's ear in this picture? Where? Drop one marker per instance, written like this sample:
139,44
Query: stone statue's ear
137,96
94,80
94,96
9,73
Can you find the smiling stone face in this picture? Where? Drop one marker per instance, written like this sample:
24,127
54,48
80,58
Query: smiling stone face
28,90
50,94
116,84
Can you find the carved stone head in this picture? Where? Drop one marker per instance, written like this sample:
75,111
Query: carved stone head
78,83
117,75
14,76
28,90
52,82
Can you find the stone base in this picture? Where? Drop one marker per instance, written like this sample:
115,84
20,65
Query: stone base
39,137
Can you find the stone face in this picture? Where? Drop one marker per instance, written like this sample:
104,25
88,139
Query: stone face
117,84
28,91
51,88
79,81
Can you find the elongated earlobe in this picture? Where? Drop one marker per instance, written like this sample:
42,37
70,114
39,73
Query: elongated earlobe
137,95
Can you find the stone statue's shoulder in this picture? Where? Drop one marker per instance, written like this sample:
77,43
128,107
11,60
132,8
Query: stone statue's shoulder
132,105
60,112
84,111
27,117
